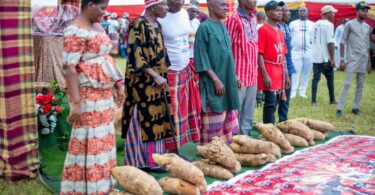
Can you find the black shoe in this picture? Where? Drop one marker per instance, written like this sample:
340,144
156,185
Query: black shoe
339,113
356,112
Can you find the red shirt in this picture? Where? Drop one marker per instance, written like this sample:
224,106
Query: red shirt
272,45
244,46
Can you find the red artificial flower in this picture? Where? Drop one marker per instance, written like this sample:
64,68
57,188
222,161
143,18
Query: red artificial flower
48,98
58,109
54,100
47,108
39,99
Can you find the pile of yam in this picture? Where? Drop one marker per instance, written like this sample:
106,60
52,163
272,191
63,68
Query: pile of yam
185,177
317,125
219,160
253,152
297,133
303,128
135,181
273,134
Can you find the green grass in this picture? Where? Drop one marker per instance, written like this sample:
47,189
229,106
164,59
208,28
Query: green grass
25,187
364,124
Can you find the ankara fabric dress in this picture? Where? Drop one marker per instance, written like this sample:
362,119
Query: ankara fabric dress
92,147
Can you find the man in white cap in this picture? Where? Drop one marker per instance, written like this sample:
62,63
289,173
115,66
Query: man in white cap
356,40
323,53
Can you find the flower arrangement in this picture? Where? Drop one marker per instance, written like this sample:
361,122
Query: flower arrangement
48,109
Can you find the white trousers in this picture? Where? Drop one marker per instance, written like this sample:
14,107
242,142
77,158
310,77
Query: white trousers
303,65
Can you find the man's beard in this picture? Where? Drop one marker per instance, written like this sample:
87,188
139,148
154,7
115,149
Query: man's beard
363,17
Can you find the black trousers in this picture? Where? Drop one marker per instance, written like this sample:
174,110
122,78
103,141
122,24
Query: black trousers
328,72
269,108
283,108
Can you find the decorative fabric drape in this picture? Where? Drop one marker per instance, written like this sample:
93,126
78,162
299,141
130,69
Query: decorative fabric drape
18,123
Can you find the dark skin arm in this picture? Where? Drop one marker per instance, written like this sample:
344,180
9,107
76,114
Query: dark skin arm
342,53
119,94
159,80
266,79
219,87
71,78
331,51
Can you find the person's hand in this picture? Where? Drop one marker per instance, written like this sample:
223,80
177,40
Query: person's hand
332,63
119,95
287,82
267,81
219,88
160,82
75,113
239,84
342,65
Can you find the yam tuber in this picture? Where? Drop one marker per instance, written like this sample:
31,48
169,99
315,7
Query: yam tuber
271,158
302,120
296,140
203,187
179,168
136,181
236,169
217,151
276,151
296,128
211,170
289,151
177,186
252,159
311,142
318,125
246,145
318,135
273,134
120,193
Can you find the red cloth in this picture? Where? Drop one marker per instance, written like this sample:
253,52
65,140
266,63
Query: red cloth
185,100
345,164
344,11
245,52
272,45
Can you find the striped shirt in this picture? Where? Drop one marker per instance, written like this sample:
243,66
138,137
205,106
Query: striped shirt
243,32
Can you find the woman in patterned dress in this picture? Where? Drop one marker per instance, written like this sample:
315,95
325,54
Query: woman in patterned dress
93,88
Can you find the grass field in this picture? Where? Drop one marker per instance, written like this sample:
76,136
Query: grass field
299,107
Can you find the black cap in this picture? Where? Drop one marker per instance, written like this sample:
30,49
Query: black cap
272,5
362,5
